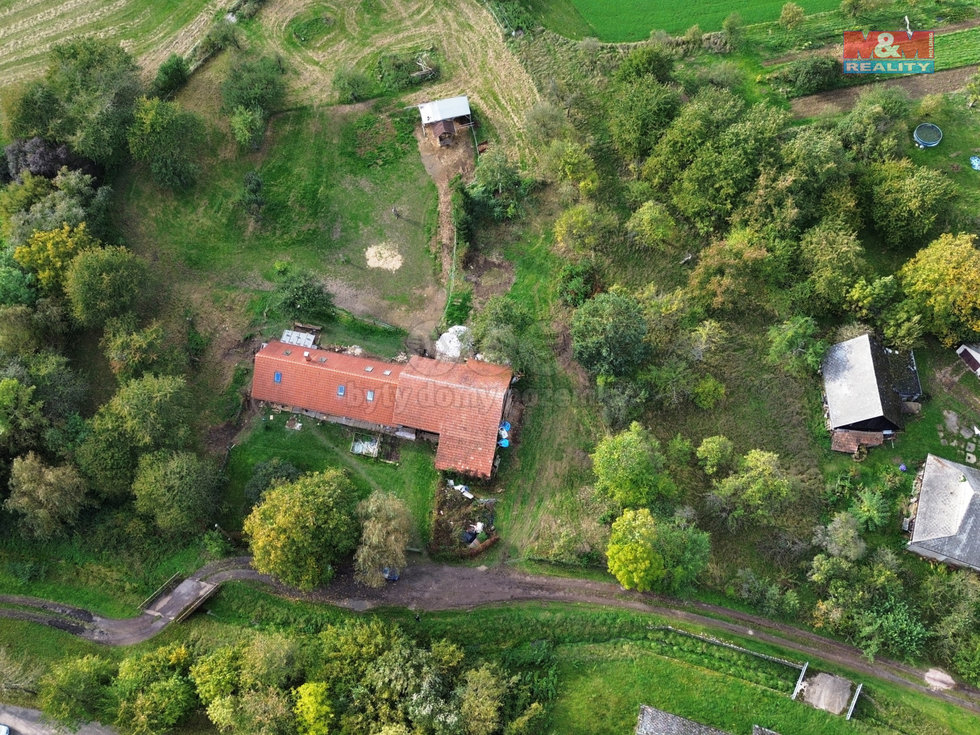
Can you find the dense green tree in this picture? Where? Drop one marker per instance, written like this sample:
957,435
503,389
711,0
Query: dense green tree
907,201
791,16
300,530
107,283
133,352
638,113
49,253
48,499
586,229
795,346
351,85
569,162
609,335
729,274
145,414
35,204
645,553
248,127
699,123
734,29
870,507
481,700
715,453
76,691
314,708
842,537
171,76
177,490
834,258
154,691
757,491
17,287
630,468
254,84
21,418
645,63
940,283
167,140
503,332
875,128
386,526
652,227
722,172
30,112
305,295
497,189
266,474
86,99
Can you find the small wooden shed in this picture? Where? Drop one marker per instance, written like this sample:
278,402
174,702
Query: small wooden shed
443,118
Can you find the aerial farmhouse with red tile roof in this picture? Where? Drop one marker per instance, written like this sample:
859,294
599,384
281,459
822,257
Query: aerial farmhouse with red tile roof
462,403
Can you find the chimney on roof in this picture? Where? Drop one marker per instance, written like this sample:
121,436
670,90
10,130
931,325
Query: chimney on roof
306,355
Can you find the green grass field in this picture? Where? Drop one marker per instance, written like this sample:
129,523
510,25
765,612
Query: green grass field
317,447
329,180
148,28
633,20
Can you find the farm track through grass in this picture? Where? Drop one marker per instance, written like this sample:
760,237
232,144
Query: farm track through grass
150,29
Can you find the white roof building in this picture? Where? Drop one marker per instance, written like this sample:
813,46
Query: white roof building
447,109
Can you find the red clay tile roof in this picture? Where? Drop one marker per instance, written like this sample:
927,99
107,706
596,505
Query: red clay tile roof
314,384
462,403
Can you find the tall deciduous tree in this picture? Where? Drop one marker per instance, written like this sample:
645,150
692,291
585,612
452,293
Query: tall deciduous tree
105,284
835,260
645,553
907,201
715,453
177,489
49,253
385,531
940,281
639,111
794,345
757,491
481,700
166,138
609,335
629,467
47,498
729,273
145,414
652,227
76,690
300,530
86,99
21,418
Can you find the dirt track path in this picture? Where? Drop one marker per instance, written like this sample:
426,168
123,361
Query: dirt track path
442,587
840,100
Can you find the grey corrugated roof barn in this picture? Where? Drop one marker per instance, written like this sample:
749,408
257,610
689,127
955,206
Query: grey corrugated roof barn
657,722
865,385
947,516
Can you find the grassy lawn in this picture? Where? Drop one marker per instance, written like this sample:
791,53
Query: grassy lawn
329,179
961,133
633,20
317,447
108,568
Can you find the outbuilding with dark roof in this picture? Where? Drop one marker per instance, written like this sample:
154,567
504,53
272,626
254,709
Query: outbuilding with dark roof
865,385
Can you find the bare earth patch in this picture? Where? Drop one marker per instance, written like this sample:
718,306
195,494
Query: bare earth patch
383,256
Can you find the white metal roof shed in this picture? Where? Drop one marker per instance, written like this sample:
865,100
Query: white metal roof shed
447,109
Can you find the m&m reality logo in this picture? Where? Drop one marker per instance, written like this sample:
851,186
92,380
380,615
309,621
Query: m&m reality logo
889,52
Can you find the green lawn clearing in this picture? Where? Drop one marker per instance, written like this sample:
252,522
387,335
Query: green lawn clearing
319,446
330,181
633,20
